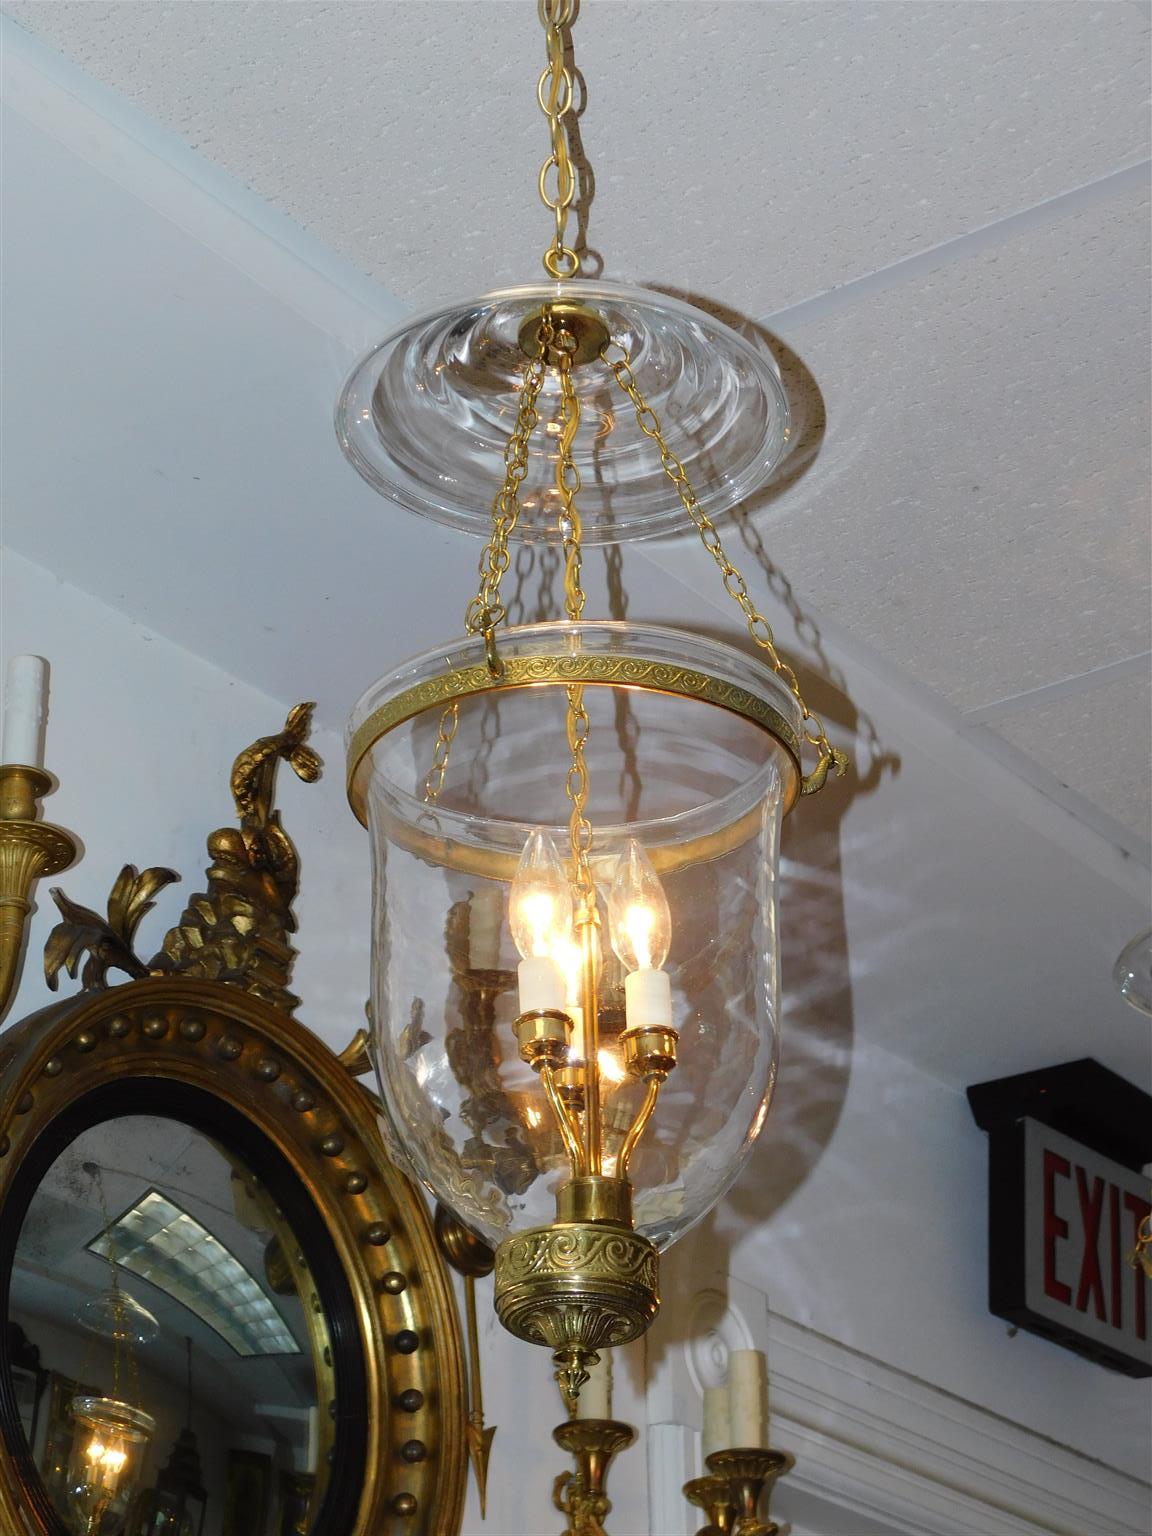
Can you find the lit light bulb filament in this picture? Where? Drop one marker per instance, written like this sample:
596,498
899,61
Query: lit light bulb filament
639,921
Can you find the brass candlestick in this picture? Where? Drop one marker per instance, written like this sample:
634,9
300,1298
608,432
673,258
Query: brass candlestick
749,1472
28,849
713,1494
581,1495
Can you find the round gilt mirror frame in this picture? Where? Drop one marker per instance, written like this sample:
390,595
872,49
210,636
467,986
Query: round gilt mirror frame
291,1089
205,1033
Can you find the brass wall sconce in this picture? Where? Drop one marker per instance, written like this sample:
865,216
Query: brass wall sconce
29,847
582,1495
731,1496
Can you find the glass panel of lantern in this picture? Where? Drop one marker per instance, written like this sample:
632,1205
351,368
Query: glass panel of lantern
691,764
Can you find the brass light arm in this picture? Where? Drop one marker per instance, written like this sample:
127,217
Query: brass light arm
638,1126
543,1035
566,1121
649,1054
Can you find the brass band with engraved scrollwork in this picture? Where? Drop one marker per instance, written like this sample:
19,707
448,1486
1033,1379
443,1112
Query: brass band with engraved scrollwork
577,1284
589,668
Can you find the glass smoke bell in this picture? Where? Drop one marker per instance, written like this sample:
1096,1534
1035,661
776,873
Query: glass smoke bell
425,415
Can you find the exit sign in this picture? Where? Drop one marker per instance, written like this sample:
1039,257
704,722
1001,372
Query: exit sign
1065,1203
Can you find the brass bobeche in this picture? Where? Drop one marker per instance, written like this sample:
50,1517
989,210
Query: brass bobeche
581,1494
28,849
750,1473
714,1495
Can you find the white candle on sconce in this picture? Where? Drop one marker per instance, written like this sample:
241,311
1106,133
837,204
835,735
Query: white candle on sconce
485,923
748,1399
595,1400
25,709
717,1421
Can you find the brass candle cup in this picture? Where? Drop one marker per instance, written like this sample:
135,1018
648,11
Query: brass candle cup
750,1472
714,1496
28,849
582,1495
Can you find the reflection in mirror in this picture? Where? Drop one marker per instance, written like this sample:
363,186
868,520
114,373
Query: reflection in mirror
168,1351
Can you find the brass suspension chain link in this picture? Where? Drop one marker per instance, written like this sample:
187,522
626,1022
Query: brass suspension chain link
556,94
486,610
445,735
616,356
567,488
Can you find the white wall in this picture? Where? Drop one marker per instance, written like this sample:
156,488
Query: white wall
141,736
855,1255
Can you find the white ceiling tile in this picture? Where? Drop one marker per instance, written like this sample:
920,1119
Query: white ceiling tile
978,510
757,151
1097,741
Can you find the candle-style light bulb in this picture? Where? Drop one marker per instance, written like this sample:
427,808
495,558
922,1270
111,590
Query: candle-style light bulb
540,917
641,927
638,912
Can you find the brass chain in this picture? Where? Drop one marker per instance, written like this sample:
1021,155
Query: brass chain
445,735
567,489
830,757
486,610
556,94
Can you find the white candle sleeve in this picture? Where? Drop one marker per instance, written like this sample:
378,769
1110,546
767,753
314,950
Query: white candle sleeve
717,1423
648,1000
25,706
748,1399
541,985
595,1401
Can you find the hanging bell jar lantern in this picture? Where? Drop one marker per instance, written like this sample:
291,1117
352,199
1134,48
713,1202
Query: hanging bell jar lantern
575,823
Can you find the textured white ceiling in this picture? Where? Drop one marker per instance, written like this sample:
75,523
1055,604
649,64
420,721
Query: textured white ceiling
942,208
755,151
978,510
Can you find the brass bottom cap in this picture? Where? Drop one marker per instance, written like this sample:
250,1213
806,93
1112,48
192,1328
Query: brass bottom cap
577,1285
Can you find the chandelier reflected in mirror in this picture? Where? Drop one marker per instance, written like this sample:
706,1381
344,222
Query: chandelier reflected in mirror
575,823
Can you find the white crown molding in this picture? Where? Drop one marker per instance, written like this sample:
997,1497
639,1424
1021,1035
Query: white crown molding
875,1442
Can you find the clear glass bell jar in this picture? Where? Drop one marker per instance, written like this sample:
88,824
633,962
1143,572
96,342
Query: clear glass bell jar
691,759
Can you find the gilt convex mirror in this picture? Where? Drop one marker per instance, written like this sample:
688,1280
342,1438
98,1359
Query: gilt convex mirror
224,1310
